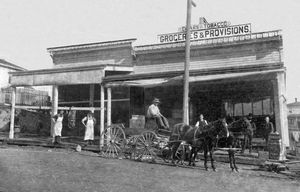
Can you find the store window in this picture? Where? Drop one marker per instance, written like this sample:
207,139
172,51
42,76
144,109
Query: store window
247,108
260,107
257,108
266,106
291,121
238,109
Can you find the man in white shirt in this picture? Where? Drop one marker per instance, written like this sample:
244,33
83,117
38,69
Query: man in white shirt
202,122
154,113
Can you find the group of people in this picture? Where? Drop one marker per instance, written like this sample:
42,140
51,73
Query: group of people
88,121
153,112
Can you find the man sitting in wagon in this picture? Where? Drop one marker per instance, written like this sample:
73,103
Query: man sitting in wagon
153,112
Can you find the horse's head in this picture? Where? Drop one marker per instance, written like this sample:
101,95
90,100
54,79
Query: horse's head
221,128
241,125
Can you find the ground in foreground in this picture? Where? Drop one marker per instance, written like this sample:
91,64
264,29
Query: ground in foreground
43,169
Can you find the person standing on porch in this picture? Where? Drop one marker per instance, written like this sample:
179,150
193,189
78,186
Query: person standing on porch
253,125
89,128
267,128
153,112
58,119
201,123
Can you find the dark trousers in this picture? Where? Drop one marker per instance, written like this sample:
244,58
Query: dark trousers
57,140
89,142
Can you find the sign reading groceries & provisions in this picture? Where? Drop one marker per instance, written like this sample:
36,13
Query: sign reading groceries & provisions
206,30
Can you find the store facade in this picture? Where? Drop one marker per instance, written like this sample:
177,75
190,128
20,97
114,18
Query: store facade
230,75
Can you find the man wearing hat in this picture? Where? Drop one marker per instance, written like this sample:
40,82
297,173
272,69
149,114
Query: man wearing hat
253,125
154,113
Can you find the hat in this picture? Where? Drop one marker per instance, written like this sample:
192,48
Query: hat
155,100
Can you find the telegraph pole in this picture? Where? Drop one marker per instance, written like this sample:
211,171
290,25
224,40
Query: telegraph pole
187,63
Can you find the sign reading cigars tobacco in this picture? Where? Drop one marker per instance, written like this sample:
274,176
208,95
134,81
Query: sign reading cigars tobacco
206,31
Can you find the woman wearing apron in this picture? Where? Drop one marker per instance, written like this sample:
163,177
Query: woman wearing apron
58,119
89,128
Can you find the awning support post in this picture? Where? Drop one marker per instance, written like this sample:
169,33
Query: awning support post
108,106
12,113
101,142
280,110
54,104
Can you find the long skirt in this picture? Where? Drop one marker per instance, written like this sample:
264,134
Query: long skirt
89,130
57,129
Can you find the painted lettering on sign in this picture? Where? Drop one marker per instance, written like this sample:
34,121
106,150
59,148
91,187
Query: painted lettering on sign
206,33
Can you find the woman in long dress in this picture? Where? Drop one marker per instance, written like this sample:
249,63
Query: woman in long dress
89,128
58,119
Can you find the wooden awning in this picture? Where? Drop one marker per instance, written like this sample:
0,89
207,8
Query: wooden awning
177,80
63,76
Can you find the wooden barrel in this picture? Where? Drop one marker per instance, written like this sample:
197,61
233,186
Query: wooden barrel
274,146
297,147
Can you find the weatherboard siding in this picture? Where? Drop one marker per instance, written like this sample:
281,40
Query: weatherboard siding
211,58
117,56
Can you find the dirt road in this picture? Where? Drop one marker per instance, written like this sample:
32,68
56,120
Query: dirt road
42,169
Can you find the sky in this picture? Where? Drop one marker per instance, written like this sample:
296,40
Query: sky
29,27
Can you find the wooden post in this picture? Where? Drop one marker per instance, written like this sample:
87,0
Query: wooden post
92,93
101,116
187,64
280,110
54,104
12,113
108,106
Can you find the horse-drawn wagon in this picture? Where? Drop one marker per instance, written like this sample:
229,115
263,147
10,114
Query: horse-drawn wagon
154,144
143,144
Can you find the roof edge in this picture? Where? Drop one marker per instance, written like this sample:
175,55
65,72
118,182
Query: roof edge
90,45
220,41
194,72
66,69
9,65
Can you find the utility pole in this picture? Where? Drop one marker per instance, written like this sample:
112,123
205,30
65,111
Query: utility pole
187,63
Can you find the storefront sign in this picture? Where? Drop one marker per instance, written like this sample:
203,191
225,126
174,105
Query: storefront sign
206,25
213,31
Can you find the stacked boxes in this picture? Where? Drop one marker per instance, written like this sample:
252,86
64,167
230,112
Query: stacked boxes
137,121
263,155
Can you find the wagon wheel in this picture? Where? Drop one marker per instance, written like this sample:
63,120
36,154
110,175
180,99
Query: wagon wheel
113,142
146,146
130,148
165,153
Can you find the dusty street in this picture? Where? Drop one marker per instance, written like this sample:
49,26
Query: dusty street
43,169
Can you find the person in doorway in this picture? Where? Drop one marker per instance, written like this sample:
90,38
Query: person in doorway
249,133
267,128
253,125
58,119
153,112
201,123
89,127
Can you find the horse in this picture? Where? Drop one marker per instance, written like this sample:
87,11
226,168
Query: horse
194,136
229,142
242,128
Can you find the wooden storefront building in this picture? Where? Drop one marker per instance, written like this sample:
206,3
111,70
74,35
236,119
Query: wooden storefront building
231,76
